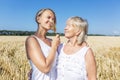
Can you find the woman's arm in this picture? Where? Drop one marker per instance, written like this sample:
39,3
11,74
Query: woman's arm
35,53
91,65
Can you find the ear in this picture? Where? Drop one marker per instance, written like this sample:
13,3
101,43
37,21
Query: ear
38,19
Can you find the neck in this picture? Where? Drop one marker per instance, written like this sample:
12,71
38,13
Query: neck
41,33
73,41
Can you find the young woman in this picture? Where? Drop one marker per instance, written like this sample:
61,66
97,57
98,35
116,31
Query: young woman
41,51
76,60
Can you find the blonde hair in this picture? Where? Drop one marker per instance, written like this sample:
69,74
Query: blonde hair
80,24
40,12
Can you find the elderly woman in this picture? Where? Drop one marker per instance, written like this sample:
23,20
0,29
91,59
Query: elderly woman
76,60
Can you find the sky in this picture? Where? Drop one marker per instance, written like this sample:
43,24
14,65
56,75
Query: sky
103,16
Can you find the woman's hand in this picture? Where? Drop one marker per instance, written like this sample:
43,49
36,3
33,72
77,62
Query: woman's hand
56,41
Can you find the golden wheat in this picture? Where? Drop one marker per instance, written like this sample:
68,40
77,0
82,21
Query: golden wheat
15,66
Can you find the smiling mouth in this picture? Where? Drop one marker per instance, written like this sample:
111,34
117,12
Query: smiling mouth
51,23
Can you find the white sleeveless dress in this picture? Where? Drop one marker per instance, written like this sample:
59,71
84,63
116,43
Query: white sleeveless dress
72,67
36,73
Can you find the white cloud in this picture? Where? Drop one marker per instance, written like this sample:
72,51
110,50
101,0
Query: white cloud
116,32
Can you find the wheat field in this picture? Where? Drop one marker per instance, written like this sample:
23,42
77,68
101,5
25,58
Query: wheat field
15,66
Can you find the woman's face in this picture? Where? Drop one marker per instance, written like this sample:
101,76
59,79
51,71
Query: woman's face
70,30
47,20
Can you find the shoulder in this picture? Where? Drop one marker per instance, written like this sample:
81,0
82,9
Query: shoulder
89,50
89,53
30,40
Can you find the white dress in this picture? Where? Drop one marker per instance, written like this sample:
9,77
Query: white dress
72,67
36,73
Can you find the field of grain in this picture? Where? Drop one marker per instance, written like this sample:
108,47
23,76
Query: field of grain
15,66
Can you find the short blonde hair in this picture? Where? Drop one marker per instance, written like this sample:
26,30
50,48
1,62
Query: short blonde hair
82,25
40,12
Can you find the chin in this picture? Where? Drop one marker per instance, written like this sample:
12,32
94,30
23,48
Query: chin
66,36
48,28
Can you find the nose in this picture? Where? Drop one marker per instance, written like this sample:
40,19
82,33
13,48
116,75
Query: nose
51,21
65,28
